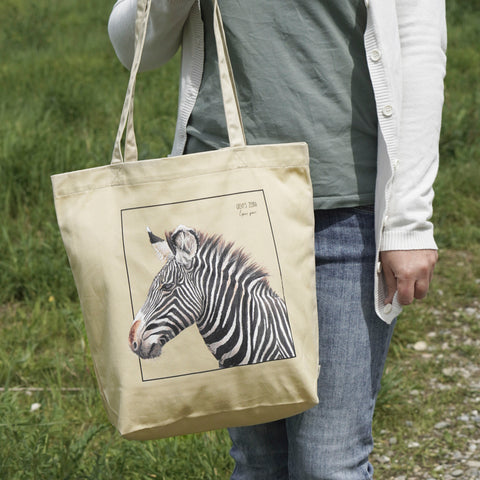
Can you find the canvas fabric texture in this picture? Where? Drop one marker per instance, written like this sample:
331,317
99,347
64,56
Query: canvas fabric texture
196,276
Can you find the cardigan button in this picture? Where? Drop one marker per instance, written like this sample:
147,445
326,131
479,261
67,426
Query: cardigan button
387,309
375,55
387,111
379,267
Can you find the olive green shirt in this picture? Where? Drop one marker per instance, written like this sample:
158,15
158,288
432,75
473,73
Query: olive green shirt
301,75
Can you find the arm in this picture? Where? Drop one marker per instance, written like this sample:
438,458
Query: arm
423,42
164,34
409,256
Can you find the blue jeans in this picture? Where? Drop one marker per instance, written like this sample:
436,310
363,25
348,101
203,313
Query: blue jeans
333,440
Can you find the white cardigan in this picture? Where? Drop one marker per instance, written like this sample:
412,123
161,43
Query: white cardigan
405,42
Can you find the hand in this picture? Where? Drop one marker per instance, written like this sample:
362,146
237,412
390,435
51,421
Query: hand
408,272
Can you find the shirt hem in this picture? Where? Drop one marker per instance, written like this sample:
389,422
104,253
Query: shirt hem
329,203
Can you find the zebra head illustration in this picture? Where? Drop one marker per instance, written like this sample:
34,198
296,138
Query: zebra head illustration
209,282
163,315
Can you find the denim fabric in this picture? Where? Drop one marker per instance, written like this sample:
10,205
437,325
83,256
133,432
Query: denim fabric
333,440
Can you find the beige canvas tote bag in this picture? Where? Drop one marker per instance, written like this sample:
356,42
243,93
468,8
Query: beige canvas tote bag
195,276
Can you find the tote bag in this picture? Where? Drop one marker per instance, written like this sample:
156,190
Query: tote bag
195,276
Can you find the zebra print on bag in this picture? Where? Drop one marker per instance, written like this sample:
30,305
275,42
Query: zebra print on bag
208,281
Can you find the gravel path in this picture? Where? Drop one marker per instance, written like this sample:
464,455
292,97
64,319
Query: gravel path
450,449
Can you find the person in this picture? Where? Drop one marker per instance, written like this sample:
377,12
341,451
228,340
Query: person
361,81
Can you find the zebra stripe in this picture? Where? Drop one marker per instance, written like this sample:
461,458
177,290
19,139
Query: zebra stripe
209,282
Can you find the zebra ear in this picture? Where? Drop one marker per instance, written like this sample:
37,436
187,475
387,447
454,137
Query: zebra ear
160,246
184,241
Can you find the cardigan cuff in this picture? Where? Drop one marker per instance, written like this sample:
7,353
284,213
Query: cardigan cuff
408,240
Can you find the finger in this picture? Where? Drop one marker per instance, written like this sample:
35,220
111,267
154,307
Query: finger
406,290
424,278
391,283
421,289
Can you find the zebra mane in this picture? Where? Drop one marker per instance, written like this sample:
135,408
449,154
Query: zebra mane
215,244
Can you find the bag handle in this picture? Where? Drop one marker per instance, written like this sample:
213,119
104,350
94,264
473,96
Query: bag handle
236,133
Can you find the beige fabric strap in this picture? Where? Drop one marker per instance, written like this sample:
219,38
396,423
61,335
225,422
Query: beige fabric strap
131,153
235,128
236,133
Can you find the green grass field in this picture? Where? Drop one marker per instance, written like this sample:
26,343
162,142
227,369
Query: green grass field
61,91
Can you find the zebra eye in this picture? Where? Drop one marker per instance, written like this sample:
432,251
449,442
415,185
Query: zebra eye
167,287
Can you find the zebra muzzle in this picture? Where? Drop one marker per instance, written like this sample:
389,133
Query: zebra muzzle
133,340
145,346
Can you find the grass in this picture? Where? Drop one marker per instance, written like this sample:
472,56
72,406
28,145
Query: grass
62,90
